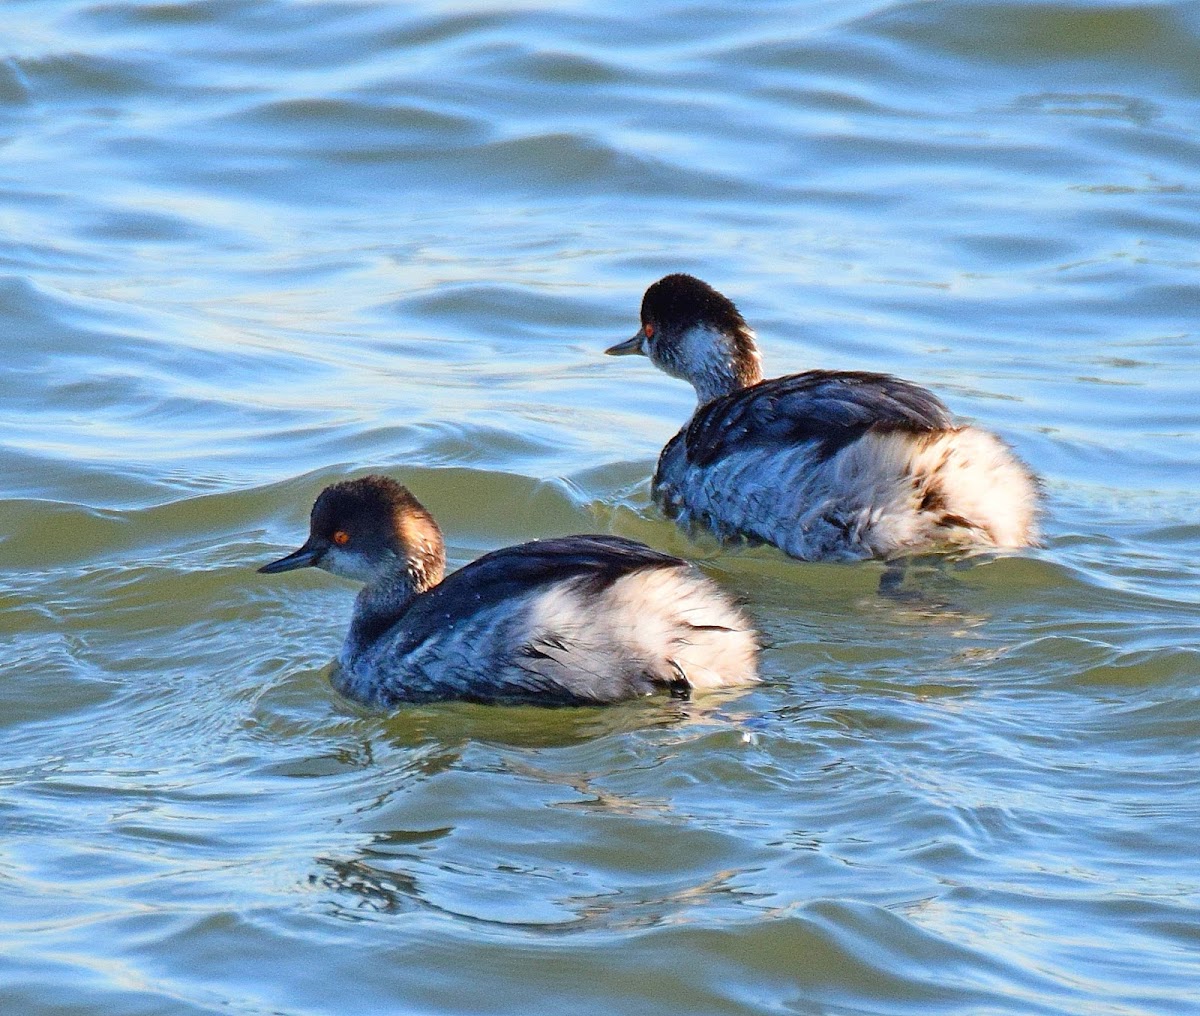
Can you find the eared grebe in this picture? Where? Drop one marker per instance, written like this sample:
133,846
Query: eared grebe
569,621
825,464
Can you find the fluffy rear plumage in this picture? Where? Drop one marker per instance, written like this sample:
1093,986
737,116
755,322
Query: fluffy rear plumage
882,495
579,620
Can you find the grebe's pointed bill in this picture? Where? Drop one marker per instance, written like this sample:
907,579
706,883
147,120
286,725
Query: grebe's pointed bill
305,557
635,346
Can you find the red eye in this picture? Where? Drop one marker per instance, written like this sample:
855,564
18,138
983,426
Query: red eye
648,328
341,537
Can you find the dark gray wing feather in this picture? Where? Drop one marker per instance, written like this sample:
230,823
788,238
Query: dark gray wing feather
828,408
514,572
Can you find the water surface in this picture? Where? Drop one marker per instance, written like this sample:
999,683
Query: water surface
248,248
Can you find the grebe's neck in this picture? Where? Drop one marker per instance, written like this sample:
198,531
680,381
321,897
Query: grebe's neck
377,607
390,591
717,363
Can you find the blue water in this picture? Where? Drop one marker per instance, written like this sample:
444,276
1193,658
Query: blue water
248,248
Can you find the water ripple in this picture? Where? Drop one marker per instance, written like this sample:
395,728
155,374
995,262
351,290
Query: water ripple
253,248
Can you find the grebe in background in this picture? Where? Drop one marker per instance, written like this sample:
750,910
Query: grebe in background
824,465
569,621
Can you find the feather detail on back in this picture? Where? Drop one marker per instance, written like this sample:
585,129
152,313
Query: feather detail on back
830,408
578,620
888,493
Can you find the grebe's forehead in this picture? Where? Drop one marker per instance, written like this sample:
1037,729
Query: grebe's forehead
369,505
678,302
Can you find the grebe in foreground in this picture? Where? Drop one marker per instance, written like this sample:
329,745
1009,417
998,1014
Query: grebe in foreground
571,621
825,464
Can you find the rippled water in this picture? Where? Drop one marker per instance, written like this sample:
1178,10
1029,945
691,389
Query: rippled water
250,247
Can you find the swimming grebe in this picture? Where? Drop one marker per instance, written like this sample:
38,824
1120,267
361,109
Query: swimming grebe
825,464
568,621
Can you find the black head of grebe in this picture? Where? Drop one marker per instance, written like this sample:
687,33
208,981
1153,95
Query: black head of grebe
692,332
368,530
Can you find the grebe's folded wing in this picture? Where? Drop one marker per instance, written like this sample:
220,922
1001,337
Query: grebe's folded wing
513,573
823,407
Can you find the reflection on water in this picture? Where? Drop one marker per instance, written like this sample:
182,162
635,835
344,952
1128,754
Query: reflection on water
440,868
